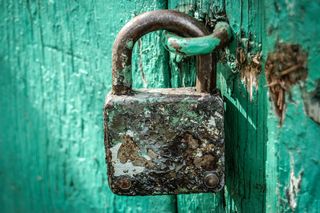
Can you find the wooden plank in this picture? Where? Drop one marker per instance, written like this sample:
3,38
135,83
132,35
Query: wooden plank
55,63
293,149
245,119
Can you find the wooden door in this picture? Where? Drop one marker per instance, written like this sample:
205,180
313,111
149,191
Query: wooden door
55,63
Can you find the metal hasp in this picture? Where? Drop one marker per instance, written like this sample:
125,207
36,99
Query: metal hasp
199,45
163,141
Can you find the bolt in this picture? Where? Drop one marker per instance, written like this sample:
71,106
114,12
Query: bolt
211,180
124,183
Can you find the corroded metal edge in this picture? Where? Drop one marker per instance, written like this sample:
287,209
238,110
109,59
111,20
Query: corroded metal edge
122,185
173,21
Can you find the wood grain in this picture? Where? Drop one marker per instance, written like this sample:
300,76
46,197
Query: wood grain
245,119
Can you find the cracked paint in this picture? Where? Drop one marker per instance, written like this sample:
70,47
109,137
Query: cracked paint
294,187
127,168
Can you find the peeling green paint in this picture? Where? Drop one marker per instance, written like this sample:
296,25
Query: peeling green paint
55,62
257,27
200,45
245,122
190,47
293,148
55,72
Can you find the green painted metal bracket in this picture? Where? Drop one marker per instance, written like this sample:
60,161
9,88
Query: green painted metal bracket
199,45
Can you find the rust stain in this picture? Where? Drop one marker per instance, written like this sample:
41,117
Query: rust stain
285,67
165,141
176,46
129,151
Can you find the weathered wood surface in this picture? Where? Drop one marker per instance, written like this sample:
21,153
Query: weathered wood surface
293,150
245,119
55,62
269,169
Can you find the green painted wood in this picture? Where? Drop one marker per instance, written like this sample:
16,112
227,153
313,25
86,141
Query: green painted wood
55,62
264,161
293,150
245,119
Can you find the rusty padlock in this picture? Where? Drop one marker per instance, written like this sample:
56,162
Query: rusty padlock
163,141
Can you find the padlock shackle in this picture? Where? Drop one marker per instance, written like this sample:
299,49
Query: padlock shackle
173,21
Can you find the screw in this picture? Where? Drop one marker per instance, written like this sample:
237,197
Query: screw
211,180
124,183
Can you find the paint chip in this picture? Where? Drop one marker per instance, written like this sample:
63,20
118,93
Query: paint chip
285,67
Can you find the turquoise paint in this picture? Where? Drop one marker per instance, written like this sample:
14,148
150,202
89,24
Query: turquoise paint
55,64
293,148
245,120
191,46
56,68
199,45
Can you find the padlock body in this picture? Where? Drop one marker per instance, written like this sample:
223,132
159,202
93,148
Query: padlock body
164,141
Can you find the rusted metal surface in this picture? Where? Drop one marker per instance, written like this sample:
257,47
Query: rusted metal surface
164,141
173,21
